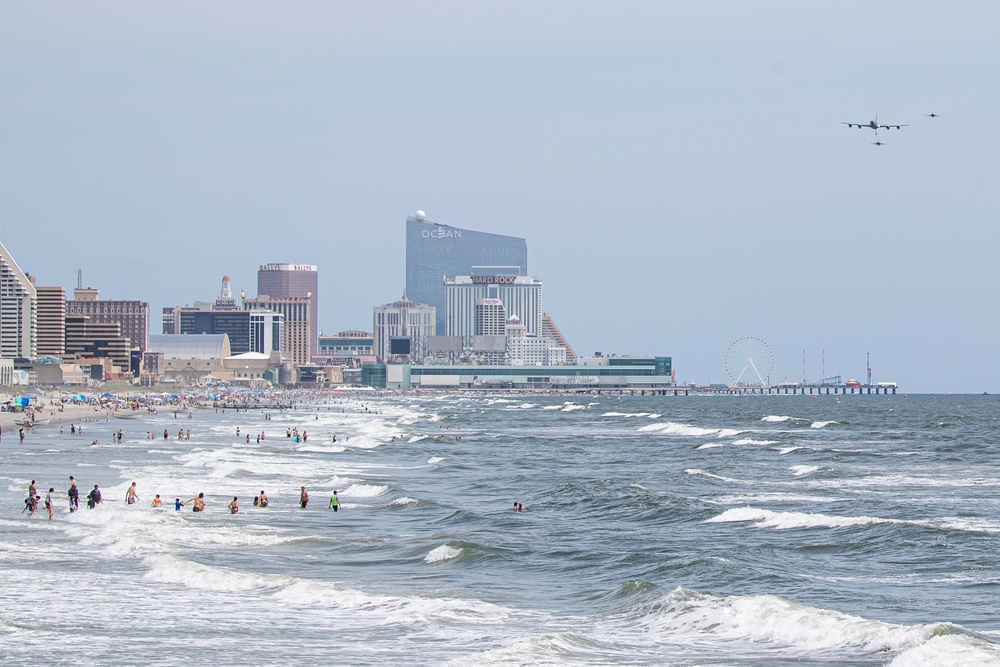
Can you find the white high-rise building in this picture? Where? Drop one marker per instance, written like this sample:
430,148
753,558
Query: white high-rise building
520,295
491,317
18,310
399,319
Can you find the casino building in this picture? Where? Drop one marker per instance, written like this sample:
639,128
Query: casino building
520,296
286,284
435,251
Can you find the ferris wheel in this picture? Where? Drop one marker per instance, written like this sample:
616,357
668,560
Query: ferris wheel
749,361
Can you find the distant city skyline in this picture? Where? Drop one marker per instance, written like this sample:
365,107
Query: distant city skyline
679,169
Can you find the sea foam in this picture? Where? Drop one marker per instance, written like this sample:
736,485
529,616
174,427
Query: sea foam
672,428
762,518
769,619
442,553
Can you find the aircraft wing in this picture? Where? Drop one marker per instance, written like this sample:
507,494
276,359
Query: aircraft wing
844,122
895,126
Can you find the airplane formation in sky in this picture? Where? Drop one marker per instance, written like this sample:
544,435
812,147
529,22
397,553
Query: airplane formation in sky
875,125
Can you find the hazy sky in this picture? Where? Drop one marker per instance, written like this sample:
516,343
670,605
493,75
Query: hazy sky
679,169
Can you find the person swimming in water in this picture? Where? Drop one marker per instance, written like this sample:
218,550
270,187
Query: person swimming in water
234,507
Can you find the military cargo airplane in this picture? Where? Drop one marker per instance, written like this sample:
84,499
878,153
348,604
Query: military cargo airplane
873,124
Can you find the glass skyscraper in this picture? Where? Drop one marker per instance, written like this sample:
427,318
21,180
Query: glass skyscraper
434,252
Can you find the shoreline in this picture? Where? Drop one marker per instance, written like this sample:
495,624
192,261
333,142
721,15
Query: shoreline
71,413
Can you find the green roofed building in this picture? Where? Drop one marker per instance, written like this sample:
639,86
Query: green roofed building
627,373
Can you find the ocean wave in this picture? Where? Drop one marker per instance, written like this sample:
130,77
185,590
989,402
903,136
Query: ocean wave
435,459
364,490
949,650
416,438
570,407
171,569
705,473
408,418
769,619
630,414
788,450
673,428
317,595
802,470
821,424
788,520
405,501
773,497
315,449
779,418
442,553
753,441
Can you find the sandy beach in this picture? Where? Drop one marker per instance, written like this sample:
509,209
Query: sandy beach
56,413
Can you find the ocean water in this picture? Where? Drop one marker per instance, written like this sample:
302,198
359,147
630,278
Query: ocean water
657,531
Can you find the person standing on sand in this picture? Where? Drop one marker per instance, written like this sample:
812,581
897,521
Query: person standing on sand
303,498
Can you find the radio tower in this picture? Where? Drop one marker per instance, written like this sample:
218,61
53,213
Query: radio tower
79,278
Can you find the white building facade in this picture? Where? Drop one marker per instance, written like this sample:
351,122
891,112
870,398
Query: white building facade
18,310
520,296
399,319
491,317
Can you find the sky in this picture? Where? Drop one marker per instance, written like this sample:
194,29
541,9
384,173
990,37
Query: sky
680,170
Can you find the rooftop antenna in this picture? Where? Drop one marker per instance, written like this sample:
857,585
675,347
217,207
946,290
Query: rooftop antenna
868,363
79,278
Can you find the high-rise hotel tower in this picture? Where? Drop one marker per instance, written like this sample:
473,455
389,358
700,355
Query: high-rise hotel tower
435,252
18,315
286,283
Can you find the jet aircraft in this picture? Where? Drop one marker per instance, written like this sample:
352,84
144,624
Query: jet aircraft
874,125
878,143
933,115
